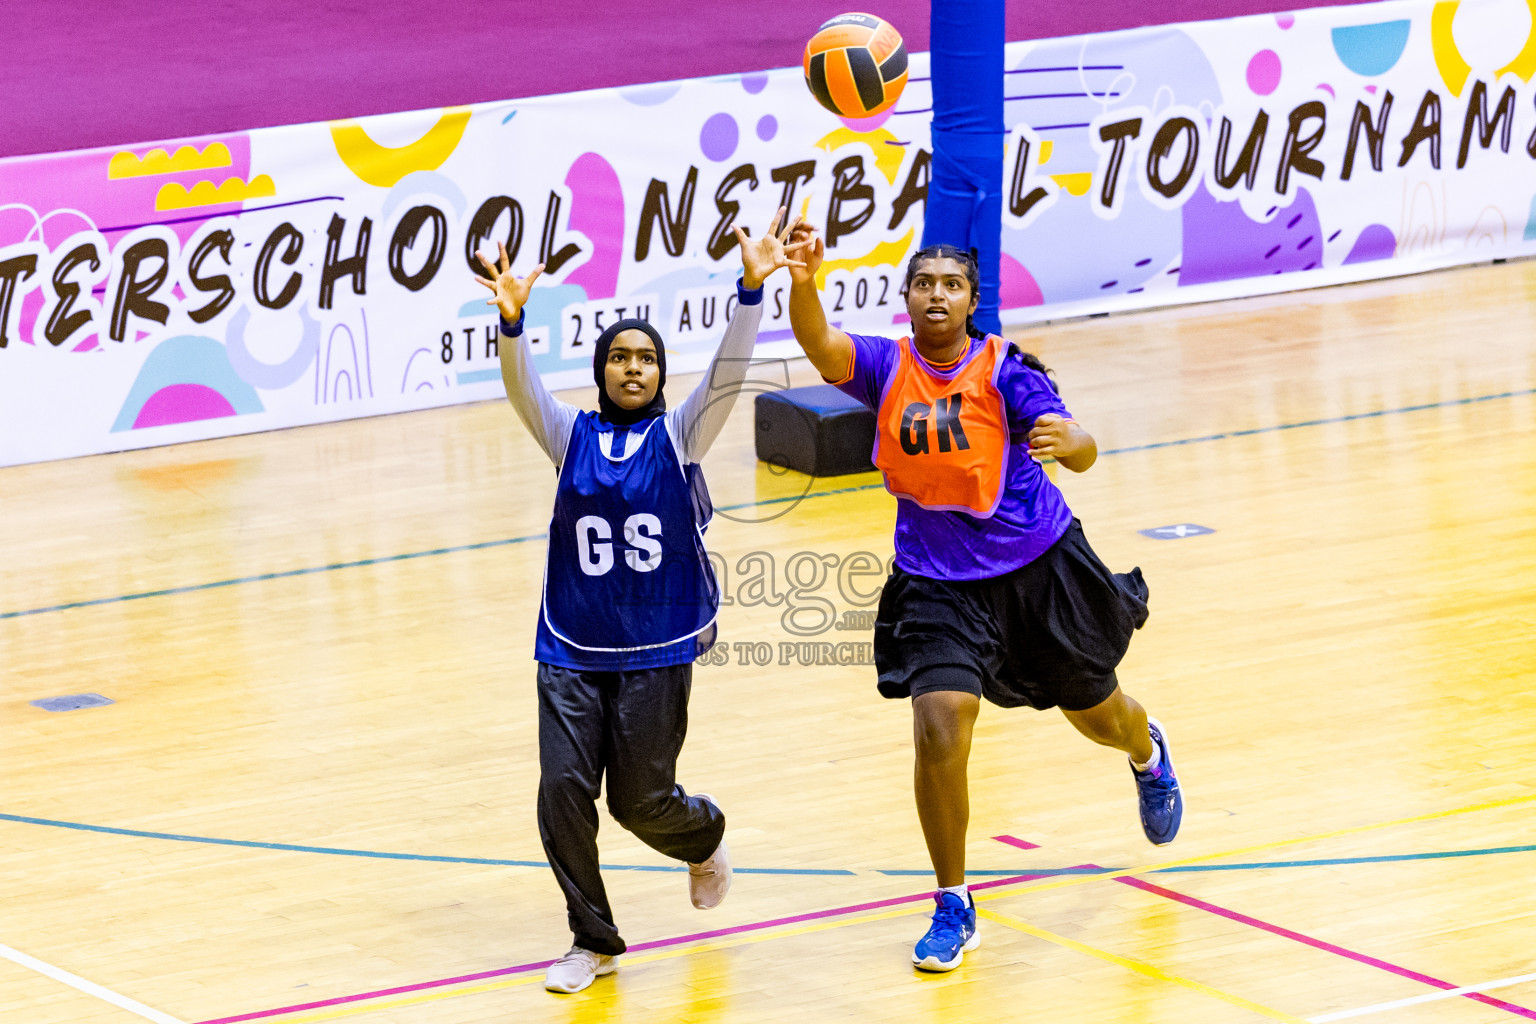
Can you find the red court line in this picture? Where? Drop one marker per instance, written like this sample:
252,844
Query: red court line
1274,929
1307,940
679,940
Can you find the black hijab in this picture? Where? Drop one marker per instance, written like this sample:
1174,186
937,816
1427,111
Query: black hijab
607,409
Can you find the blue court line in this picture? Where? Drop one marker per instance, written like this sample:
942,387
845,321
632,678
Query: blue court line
193,588
1256,866
1448,403
1329,861
491,862
1523,392
798,497
1189,440
377,855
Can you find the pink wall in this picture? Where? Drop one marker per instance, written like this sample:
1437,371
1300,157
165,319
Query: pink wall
112,72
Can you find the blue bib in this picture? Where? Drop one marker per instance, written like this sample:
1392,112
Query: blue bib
627,570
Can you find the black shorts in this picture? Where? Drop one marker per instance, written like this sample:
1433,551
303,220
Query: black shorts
1048,634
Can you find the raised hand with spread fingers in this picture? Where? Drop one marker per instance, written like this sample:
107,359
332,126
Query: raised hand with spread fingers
509,293
760,257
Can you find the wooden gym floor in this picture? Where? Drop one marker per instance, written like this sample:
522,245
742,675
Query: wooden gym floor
313,796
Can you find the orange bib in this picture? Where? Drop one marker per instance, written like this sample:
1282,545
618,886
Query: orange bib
942,438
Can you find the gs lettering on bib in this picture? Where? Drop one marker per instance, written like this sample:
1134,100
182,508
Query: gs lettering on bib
626,570
941,437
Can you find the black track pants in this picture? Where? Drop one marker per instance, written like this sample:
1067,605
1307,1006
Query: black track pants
631,725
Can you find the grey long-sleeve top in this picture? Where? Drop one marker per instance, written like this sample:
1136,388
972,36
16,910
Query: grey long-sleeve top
692,426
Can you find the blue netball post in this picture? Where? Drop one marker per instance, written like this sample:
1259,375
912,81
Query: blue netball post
965,194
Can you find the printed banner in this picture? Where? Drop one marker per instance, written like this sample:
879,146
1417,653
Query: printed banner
305,274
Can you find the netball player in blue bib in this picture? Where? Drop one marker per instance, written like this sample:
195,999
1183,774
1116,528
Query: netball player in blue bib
629,599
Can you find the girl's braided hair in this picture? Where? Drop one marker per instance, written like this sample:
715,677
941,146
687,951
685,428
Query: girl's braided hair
967,259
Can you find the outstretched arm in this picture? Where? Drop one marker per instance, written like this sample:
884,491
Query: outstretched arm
547,418
699,420
828,349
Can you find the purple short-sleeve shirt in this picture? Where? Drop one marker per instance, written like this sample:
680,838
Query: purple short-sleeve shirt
1032,514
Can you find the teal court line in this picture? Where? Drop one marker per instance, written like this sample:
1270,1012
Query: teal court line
363,562
1255,866
193,588
491,862
380,855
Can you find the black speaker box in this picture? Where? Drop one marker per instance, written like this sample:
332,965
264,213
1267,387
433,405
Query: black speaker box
815,430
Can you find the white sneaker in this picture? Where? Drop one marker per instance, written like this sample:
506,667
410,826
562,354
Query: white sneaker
708,882
575,971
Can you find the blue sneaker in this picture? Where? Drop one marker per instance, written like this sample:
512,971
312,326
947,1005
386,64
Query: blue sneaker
1162,805
951,935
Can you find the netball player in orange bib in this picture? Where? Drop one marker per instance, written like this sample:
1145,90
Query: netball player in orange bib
995,591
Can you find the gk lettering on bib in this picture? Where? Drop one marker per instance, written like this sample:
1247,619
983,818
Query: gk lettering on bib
941,437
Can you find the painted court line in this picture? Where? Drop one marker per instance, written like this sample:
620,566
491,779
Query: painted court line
1185,869
1399,1003
1138,966
817,919
1147,869
260,577
363,562
1316,862
663,949
332,851
1383,858
1350,418
856,914
338,852
1329,947
90,988
1471,992
670,954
